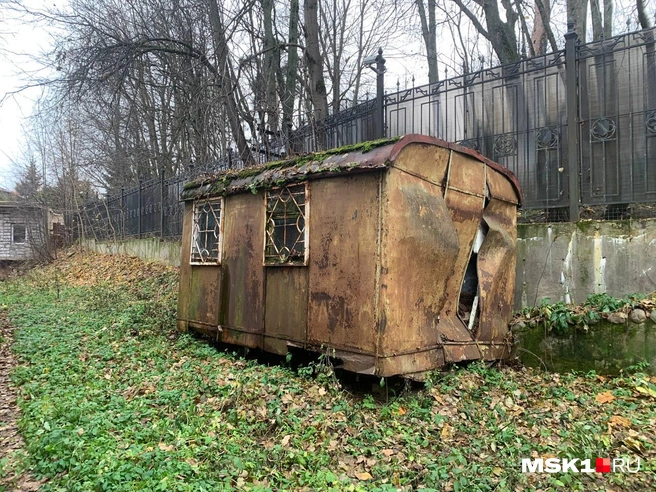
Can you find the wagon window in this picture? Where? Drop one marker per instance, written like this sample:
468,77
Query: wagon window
206,239
18,234
286,232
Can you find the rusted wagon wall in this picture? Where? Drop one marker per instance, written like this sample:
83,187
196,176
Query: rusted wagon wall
390,234
344,223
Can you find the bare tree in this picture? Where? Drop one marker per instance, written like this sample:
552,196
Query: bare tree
643,18
429,35
314,63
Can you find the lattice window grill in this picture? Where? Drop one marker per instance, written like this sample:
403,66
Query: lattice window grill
286,210
206,234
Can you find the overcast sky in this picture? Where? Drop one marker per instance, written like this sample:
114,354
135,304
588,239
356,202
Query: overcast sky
16,39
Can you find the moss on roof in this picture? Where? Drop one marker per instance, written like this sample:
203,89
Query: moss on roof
277,173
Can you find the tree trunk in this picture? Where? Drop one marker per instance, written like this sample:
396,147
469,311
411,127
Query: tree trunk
292,68
577,12
501,34
227,83
645,22
597,23
314,63
429,34
271,57
608,18
541,23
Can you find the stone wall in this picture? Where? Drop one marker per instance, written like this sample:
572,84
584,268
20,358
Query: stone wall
567,262
561,261
151,249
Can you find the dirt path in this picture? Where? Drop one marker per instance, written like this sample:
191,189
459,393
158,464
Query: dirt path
11,443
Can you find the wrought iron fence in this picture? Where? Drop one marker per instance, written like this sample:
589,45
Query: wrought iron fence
151,209
577,127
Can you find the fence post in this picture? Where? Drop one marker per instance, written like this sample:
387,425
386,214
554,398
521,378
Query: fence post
573,168
122,212
161,205
380,93
139,211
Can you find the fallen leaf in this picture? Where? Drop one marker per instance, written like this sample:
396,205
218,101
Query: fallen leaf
620,421
446,431
633,444
364,476
646,391
606,397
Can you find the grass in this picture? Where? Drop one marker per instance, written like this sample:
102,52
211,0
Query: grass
113,399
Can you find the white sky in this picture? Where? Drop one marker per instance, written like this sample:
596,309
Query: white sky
18,39
15,38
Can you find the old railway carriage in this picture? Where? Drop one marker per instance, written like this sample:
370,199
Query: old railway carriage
397,256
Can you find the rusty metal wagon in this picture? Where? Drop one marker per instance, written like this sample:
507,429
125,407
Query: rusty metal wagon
397,256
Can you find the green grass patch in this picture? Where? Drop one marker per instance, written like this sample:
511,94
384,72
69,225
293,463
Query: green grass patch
113,399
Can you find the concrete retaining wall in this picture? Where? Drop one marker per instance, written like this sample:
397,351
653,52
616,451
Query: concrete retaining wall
151,249
568,261
561,261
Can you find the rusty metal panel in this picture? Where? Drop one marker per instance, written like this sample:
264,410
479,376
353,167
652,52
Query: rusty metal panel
501,187
420,248
411,363
204,294
466,211
467,175
496,270
428,162
242,302
286,307
185,268
344,222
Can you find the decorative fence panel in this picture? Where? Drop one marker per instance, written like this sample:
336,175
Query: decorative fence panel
515,115
601,96
617,119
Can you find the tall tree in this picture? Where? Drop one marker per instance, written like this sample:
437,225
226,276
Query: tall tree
30,181
314,63
429,35
500,33
643,18
291,82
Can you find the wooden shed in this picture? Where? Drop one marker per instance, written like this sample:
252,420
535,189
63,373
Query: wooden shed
395,256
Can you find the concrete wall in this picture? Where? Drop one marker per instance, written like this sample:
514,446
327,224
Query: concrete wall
561,261
152,249
567,262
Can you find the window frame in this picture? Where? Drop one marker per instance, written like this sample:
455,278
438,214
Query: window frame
13,234
268,261
195,232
